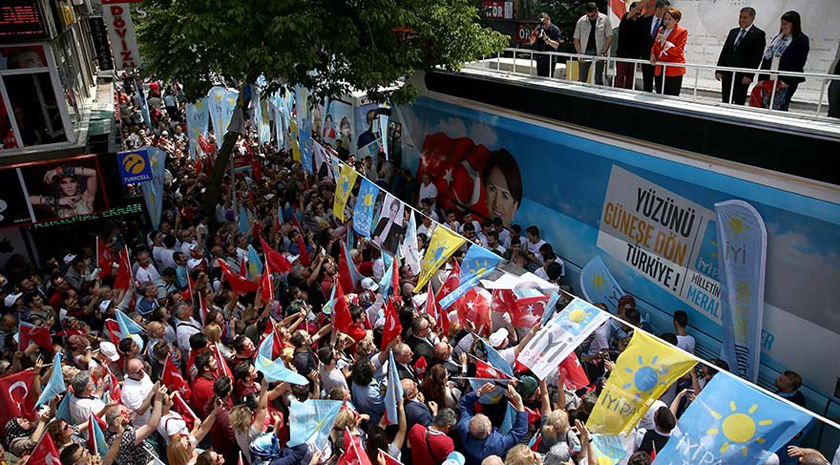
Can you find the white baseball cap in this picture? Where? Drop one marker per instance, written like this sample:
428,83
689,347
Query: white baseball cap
12,298
496,339
109,350
369,284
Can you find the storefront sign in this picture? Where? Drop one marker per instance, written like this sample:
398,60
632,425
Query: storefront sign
123,40
495,9
100,43
134,166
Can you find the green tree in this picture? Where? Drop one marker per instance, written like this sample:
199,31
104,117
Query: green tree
329,46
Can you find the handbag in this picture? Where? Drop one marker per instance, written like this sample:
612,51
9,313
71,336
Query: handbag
763,92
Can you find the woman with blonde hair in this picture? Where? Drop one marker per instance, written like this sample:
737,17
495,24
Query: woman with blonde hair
182,447
521,454
213,332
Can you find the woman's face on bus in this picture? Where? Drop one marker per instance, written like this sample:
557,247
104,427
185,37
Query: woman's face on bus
500,202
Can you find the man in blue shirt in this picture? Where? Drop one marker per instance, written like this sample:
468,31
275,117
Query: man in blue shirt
479,438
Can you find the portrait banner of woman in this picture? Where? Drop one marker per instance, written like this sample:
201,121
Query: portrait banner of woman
389,229
66,188
471,177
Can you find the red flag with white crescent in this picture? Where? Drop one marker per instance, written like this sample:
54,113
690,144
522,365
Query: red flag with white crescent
393,328
103,258
45,452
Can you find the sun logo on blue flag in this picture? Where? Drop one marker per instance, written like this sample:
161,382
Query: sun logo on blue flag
478,266
645,376
736,226
575,319
598,280
738,427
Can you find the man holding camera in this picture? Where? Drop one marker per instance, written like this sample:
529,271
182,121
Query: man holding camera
546,38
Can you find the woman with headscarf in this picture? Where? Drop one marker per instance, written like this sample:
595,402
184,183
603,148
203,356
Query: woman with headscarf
21,435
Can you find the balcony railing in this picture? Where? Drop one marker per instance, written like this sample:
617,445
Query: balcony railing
501,63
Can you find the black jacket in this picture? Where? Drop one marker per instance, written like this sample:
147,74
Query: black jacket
628,37
793,59
748,53
645,41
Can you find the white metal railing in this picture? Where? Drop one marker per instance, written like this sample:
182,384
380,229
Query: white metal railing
610,62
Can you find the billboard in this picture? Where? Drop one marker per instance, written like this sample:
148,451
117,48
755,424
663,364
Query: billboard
53,190
649,216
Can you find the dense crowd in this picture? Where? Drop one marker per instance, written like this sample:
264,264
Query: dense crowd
186,388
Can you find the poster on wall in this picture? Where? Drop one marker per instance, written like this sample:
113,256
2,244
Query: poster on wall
46,191
648,216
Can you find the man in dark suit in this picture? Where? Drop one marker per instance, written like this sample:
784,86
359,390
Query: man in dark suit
647,29
743,49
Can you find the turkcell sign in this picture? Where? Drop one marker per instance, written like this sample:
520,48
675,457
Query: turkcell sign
668,239
134,166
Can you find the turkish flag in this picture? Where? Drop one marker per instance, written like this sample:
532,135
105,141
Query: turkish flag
344,275
243,267
451,283
573,372
354,453
222,368
45,452
485,370
238,283
278,262
181,407
456,166
266,286
172,377
271,331
114,331
474,308
304,255
124,277
37,334
15,398
116,389
343,320
103,258
202,308
529,311
393,328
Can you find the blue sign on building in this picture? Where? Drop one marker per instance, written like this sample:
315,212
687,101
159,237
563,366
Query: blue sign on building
134,166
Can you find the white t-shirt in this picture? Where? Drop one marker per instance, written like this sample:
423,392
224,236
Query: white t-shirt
82,407
332,379
171,424
147,274
429,192
535,249
686,343
133,395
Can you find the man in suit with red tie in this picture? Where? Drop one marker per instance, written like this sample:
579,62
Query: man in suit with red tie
648,28
743,49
